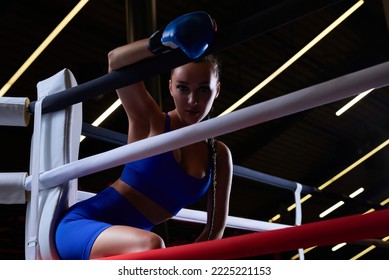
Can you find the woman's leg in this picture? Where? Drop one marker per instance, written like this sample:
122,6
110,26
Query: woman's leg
117,240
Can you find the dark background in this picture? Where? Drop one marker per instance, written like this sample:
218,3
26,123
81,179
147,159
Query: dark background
308,147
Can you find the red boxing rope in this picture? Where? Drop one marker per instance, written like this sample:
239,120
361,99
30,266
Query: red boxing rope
328,232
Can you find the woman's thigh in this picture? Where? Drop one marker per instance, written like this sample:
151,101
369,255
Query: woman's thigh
117,240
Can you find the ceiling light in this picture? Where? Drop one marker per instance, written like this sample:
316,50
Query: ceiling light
337,247
275,218
105,115
294,58
43,46
332,208
357,192
341,245
386,201
364,252
352,102
345,171
340,203
367,250
297,256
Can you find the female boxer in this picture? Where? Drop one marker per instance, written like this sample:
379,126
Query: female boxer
118,220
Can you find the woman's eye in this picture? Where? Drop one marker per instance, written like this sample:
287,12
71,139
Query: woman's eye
182,88
205,89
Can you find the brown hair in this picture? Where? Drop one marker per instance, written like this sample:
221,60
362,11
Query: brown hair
214,61
211,59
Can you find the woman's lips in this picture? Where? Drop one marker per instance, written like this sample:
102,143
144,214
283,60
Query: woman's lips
193,111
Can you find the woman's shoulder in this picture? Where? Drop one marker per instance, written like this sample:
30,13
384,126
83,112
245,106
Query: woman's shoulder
223,152
224,163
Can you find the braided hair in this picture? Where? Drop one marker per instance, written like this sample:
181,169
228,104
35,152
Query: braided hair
212,157
215,62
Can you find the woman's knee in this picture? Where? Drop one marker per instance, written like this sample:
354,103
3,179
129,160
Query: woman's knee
153,241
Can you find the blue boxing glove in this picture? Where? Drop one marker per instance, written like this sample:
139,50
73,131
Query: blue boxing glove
192,33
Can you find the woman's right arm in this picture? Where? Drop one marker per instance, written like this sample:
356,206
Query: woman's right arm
128,54
142,111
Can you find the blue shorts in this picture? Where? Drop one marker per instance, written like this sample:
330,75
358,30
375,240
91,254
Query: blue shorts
84,221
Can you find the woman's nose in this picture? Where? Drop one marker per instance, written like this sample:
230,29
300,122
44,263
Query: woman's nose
192,99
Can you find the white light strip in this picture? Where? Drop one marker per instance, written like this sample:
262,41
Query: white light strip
43,46
332,208
352,102
337,247
340,203
357,192
324,33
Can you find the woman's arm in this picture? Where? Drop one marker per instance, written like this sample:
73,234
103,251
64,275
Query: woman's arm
223,189
142,111
128,54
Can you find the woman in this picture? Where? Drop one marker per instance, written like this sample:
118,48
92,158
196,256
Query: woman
118,220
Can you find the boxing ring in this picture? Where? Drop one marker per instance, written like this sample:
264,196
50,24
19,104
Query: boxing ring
51,184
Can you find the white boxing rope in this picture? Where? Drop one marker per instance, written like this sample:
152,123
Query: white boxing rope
12,190
297,196
314,96
196,216
298,218
13,111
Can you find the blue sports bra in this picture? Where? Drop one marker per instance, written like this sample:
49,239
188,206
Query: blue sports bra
163,180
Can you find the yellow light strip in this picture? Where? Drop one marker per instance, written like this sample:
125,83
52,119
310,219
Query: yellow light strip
386,201
105,115
297,256
369,211
324,33
355,164
364,252
295,57
348,169
275,218
352,102
43,46
367,250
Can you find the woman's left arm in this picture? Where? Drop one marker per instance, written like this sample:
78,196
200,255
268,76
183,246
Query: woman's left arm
224,169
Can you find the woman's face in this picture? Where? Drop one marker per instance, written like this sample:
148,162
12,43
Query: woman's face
194,87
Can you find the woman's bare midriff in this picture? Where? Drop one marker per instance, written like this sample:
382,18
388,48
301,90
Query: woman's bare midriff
152,211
